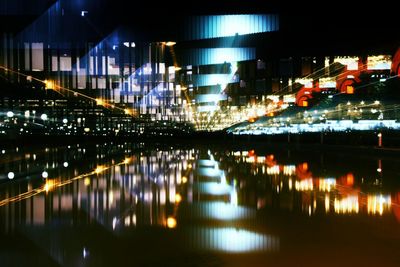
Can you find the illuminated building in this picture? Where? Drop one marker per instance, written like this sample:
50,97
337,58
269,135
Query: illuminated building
206,71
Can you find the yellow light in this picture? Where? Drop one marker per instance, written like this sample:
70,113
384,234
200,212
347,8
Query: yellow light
177,68
49,185
127,111
127,160
184,180
99,169
350,89
48,84
189,166
86,181
171,222
178,198
99,102
170,43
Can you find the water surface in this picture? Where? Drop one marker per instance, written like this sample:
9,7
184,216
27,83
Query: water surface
166,205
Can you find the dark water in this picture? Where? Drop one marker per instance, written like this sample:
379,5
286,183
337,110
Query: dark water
140,205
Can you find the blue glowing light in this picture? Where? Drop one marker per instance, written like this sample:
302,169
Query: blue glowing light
208,56
204,27
231,240
221,211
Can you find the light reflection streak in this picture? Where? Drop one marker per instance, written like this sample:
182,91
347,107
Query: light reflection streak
221,211
52,184
232,240
339,195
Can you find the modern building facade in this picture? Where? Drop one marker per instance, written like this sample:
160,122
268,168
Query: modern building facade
87,76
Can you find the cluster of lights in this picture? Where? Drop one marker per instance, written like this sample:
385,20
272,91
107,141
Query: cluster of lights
323,120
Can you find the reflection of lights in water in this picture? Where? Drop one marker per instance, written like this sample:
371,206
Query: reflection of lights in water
99,169
327,203
234,197
273,170
377,204
171,222
289,170
128,220
114,223
184,180
110,197
326,185
214,188
347,205
231,240
211,172
85,253
49,185
304,185
86,181
220,211
223,178
178,198
206,163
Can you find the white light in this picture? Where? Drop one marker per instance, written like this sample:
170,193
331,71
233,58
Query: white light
65,121
43,117
85,253
232,240
45,174
214,188
114,223
83,13
127,44
10,114
65,164
10,175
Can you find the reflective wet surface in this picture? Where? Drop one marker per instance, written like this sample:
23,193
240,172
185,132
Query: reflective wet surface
166,205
